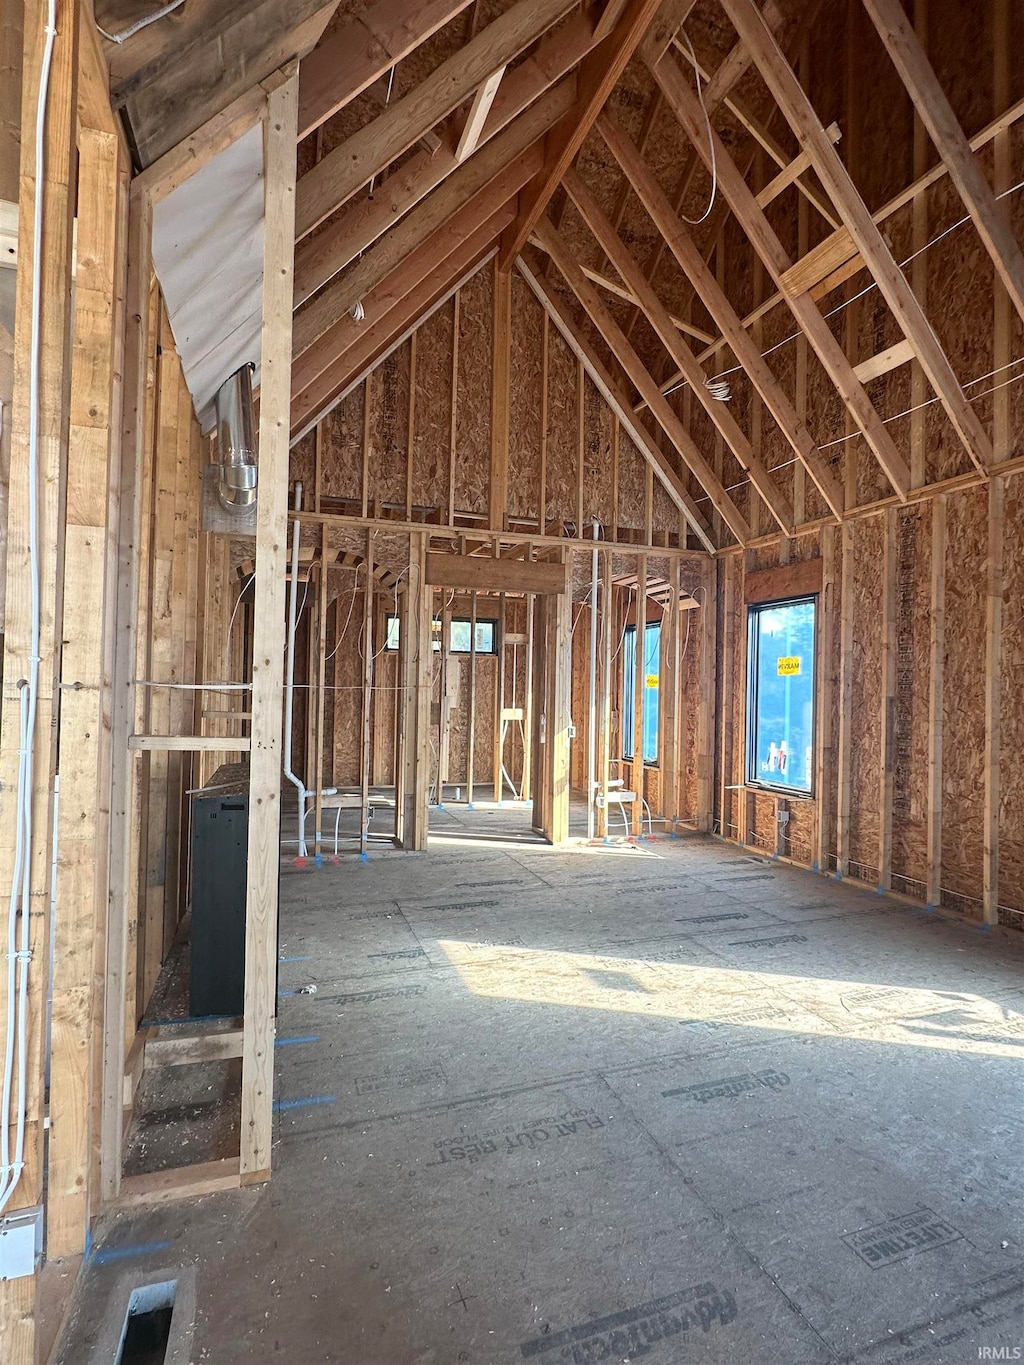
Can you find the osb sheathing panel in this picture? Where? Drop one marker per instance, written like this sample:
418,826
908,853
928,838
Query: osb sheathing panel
867,695
525,406
1011,768
963,739
473,413
348,694
563,441
632,484
913,600
389,426
597,457
433,413
342,434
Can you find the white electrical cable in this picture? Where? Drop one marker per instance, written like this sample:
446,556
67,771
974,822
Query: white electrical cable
19,946
140,24
711,141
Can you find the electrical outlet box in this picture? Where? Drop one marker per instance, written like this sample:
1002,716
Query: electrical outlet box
21,1241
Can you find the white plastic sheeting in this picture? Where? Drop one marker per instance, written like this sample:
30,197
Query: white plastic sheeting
208,256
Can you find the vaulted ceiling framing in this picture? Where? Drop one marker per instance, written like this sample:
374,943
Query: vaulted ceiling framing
434,135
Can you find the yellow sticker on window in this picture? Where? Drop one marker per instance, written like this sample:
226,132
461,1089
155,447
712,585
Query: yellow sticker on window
652,680
789,666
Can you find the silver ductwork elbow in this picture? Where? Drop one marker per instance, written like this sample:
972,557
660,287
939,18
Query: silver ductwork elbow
236,441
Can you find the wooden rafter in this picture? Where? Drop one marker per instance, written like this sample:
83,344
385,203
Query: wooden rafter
502,168
469,138
638,374
349,58
399,305
765,242
613,393
336,178
712,296
798,111
936,113
656,313
598,75
341,240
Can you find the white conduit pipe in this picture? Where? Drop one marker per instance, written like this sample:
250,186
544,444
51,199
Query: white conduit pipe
592,735
289,693
19,951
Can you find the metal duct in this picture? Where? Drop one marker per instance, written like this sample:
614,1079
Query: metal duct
236,441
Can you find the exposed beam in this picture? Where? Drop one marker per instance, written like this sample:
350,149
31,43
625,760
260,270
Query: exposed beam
341,240
469,138
669,20
618,401
338,175
936,113
634,367
797,109
352,56
501,169
767,245
683,248
657,315
598,76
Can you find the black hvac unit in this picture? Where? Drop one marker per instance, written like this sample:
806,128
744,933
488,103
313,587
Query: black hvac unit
220,840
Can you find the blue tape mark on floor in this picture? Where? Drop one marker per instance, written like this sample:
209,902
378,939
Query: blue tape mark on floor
303,957
280,994
106,1255
280,1106
291,1042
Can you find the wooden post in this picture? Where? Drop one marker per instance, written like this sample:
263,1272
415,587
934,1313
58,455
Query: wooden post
471,722
670,703
726,776
499,687
825,750
560,665
844,780
993,683
417,668
268,638
936,672
321,679
526,789
887,757
126,787
500,396
366,715
54,181
444,706
453,428
706,713
608,639
639,686
93,479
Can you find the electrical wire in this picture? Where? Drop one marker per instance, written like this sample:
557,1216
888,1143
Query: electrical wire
348,618
140,24
711,140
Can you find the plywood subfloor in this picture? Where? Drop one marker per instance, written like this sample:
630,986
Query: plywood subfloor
672,1103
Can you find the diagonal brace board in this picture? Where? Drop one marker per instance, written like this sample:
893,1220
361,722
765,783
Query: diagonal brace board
765,242
618,401
778,75
550,242
656,313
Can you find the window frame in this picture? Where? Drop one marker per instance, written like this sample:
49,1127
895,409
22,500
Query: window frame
436,637
629,679
750,778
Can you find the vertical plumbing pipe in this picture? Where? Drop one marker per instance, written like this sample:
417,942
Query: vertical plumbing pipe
289,693
592,726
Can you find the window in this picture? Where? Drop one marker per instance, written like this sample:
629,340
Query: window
486,634
780,695
652,679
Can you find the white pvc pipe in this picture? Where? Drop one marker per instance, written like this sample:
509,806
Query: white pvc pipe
592,731
289,691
